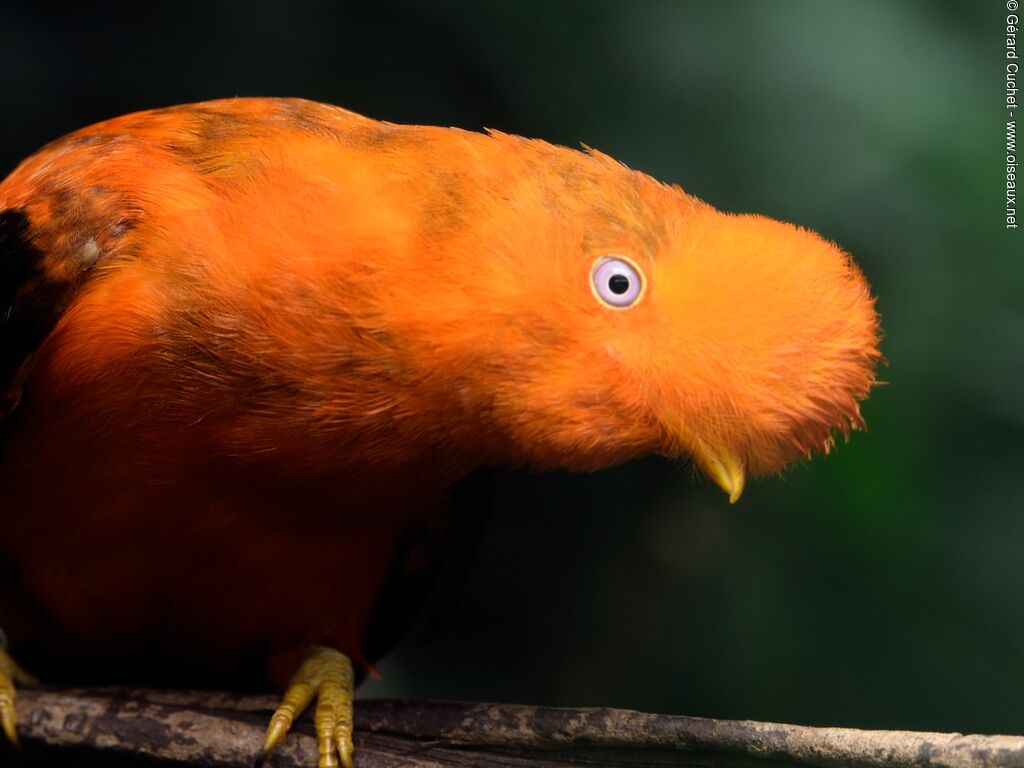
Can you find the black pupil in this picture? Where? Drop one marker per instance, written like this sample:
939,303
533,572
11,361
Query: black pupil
619,284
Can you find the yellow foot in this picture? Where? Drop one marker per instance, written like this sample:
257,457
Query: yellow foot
326,674
10,675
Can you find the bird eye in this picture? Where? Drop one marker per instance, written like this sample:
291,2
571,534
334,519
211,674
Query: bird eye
616,282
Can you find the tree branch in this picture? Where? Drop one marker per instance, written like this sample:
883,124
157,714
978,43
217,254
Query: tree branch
225,730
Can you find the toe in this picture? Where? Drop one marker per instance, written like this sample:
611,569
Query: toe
327,674
8,716
10,673
295,701
334,725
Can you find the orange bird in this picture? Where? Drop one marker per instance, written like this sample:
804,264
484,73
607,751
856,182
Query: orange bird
247,346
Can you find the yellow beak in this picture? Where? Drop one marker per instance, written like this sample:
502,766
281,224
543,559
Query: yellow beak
722,467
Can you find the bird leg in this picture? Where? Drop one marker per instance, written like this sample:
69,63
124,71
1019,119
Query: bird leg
326,674
10,675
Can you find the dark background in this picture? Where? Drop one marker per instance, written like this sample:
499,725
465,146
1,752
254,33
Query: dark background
879,587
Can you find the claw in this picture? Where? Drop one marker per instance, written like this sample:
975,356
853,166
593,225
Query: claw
11,674
326,674
8,717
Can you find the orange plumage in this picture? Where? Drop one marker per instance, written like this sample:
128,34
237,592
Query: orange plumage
266,336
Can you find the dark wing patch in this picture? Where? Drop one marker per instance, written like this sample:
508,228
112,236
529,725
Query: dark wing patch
31,301
430,569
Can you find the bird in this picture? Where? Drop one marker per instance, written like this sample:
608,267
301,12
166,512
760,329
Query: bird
248,346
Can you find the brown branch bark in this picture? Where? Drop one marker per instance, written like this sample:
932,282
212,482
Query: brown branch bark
225,730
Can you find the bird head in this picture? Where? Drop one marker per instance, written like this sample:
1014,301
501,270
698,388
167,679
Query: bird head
625,317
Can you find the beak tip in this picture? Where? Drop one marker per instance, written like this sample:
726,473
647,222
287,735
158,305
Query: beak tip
732,481
725,469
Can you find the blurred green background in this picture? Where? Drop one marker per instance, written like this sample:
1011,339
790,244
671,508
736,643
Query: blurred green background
880,587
